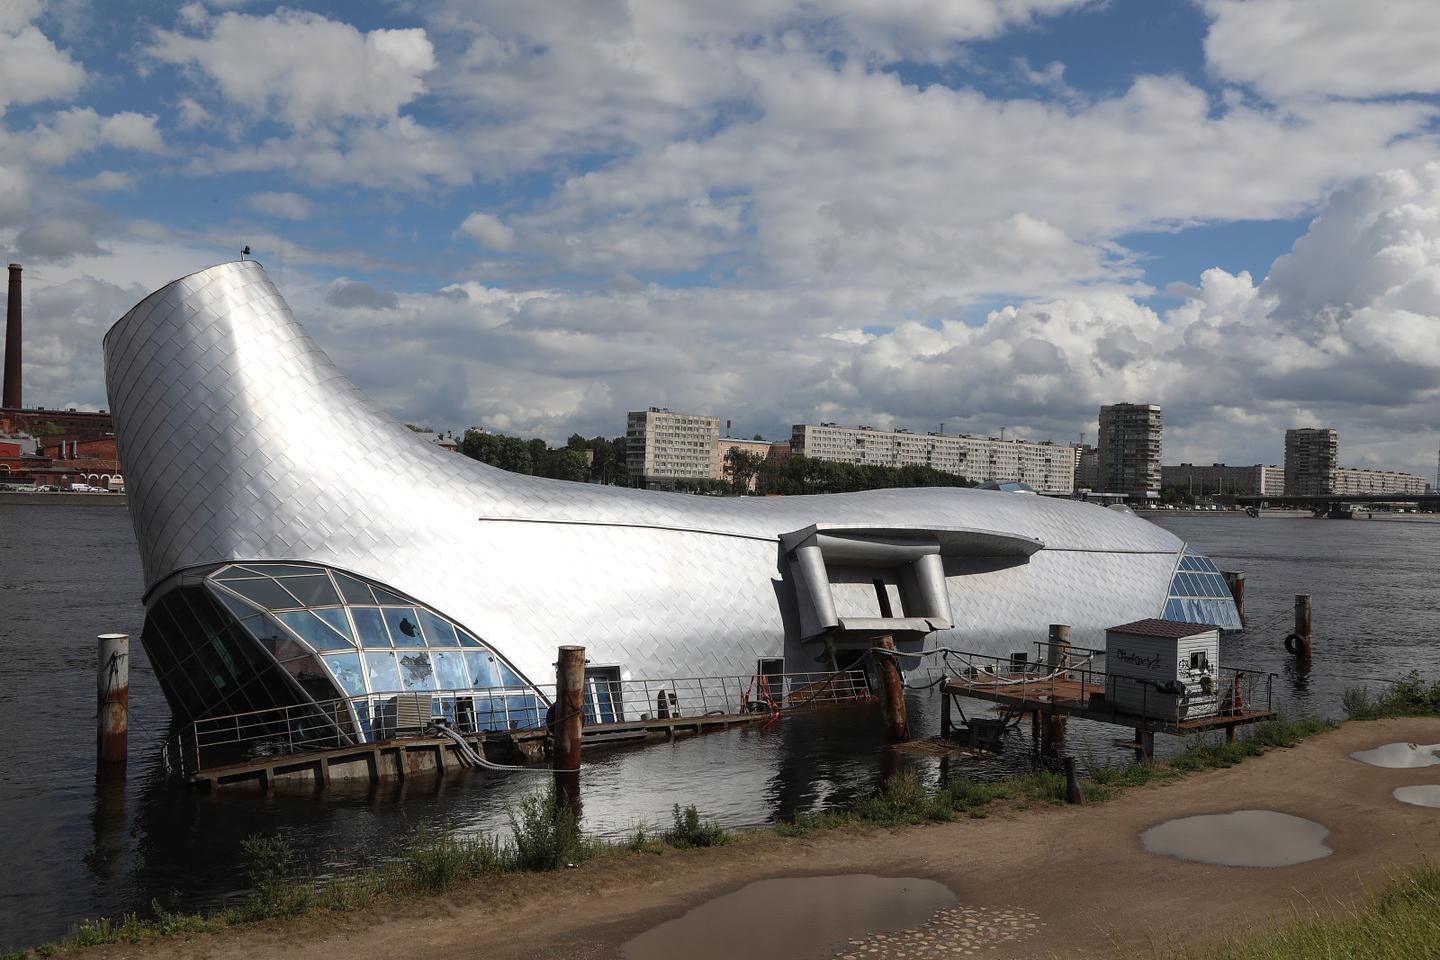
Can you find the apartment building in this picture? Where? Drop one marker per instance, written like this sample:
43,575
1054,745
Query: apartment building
662,447
1048,467
1355,482
1220,479
1128,457
1311,458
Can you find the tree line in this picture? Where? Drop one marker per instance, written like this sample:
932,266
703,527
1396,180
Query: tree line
790,476
537,459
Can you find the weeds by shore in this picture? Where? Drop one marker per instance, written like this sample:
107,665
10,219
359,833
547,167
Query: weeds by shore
545,836
1410,696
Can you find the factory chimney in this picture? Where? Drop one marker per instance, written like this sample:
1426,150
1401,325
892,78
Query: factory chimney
11,393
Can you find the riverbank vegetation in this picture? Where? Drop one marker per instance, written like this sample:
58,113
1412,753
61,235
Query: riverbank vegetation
1402,922
544,835
1410,696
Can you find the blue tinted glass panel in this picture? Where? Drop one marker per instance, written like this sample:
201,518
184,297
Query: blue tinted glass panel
480,667
381,672
1187,562
526,711
1172,610
335,617
283,569
354,590
437,631
362,712
508,677
404,626
371,627
416,670
468,641
313,630
450,670
385,596
346,668
267,593
235,573
239,607
490,713
312,591
1208,565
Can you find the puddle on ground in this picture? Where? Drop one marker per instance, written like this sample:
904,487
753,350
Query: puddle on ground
1422,796
793,917
1400,755
1245,838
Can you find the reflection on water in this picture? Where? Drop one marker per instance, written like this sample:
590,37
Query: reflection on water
1244,838
1400,756
791,917
1425,795
68,573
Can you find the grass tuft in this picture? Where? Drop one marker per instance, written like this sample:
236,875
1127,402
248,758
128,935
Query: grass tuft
1399,923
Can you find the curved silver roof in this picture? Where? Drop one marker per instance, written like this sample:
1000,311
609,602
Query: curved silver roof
241,440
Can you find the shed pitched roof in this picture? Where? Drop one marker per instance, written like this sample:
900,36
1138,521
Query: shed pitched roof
1163,628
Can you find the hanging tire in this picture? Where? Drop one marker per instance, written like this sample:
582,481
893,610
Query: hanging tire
1294,645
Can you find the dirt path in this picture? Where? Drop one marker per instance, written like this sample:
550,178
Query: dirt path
1078,874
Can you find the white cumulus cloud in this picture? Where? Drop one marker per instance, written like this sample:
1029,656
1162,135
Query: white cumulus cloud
1297,48
303,68
488,230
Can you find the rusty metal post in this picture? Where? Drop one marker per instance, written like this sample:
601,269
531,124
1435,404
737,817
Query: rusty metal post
1235,580
1057,650
1073,793
1053,740
1302,626
944,711
112,699
569,715
892,691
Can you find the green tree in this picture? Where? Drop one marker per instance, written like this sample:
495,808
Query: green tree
742,466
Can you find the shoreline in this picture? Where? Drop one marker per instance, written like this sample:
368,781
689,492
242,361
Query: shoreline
1004,858
68,499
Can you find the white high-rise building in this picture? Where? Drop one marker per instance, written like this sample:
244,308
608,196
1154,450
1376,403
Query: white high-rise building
662,447
1048,467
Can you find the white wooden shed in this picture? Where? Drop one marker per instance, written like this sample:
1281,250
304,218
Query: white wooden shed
1163,669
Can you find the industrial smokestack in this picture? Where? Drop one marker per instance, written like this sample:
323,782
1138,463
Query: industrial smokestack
10,398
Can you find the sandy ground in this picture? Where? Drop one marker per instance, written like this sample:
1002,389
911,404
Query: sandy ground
1077,875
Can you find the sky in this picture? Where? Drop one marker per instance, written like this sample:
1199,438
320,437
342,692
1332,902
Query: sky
535,217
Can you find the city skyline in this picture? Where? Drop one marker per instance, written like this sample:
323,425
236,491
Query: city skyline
995,215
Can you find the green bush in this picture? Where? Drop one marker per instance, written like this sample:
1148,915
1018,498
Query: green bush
274,892
545,833
690,831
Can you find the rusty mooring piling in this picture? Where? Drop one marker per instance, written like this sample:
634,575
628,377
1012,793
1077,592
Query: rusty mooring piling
1057,658
1302,645
892,690
112,699
569,716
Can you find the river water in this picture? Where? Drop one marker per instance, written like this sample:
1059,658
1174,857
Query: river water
75,849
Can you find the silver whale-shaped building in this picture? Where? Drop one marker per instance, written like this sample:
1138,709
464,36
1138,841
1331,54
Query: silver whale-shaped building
300,545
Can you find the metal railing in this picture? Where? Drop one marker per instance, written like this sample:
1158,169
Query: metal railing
1233,691
350,721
